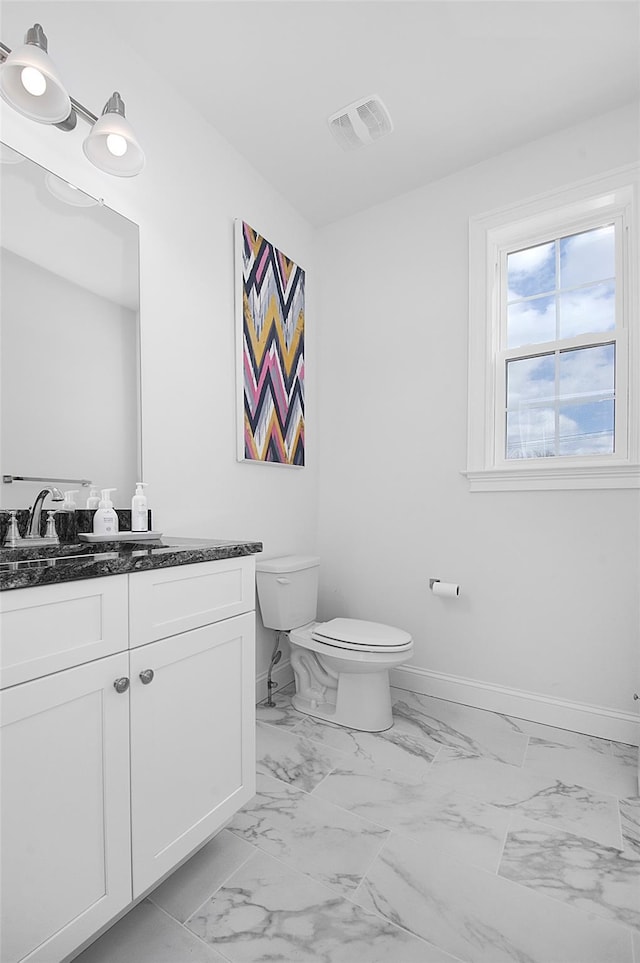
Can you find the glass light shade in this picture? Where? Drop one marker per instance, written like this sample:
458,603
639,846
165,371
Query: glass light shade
68,193
53,105
112,129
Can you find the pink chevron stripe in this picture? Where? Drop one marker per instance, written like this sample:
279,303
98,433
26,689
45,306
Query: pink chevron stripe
264,260
270,364
249,377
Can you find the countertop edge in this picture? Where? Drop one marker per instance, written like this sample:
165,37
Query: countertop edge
113,559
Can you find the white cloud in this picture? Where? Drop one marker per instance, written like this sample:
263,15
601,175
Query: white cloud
589,256
531,259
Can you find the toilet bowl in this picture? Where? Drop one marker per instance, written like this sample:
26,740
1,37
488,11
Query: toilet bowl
341,671
340,667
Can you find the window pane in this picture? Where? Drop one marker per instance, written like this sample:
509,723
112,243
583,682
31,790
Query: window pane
531,322
587,309
585,372
586,257
531,433
587,429
530,379
531,271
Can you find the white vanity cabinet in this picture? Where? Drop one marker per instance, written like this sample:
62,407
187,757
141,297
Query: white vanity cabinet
106,787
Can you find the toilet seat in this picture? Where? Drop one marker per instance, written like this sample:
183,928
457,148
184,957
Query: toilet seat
356,635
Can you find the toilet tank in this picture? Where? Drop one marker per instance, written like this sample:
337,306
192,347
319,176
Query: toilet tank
287,590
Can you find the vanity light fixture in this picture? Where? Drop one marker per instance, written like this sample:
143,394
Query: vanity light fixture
30,84
112,145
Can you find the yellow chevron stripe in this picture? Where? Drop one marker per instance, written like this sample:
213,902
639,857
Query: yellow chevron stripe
272,318
273,430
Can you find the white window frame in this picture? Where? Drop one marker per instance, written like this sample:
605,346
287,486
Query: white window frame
612,197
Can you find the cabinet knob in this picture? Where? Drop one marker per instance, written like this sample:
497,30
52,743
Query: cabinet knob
146,676
121,684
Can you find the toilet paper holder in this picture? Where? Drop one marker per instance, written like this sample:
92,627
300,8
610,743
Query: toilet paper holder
444,589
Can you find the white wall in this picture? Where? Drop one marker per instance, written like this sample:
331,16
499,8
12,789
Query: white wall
185,202
549,600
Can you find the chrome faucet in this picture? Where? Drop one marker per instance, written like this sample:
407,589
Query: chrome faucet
33,526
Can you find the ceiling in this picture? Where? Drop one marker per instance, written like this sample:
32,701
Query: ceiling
462,79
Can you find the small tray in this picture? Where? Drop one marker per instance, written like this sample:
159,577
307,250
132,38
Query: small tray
120,537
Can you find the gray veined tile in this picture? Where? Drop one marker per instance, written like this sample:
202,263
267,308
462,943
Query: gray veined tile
564,737
482,918
187,889
282,714
595,770
268,912
537,795
630,822
628,755
309,834
575,870
474,731
392,749
293,758
435,815
144,934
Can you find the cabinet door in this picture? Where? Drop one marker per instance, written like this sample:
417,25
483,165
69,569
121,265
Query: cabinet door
192,741
65,833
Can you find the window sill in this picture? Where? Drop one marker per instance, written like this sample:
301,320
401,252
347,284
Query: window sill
558,477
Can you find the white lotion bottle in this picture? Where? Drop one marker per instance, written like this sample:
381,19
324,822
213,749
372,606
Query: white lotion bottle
69,504
139,514
93,501
105,520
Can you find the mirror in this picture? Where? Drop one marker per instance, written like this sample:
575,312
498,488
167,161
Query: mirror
69,338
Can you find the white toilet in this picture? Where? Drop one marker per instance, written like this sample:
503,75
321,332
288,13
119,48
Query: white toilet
341,667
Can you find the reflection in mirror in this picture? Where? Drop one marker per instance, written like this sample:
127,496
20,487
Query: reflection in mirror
69,337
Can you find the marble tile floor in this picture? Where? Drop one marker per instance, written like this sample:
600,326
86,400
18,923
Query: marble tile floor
458,835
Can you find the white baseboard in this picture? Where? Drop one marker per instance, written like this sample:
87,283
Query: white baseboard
282,674
576,716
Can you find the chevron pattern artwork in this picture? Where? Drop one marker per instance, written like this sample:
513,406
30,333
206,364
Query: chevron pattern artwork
272,352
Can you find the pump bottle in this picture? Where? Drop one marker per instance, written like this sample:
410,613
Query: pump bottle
105,520
139,514
93,501
69,504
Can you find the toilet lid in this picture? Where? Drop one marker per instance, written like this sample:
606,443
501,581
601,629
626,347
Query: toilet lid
354,632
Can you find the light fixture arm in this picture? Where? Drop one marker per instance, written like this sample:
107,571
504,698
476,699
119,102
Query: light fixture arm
79,110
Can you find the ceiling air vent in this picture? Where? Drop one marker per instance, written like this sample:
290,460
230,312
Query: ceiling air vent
361,123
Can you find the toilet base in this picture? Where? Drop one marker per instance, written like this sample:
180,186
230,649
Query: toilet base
362,702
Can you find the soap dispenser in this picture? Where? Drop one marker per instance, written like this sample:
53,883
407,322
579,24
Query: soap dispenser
139,514
67,525
93,501
69,504
105,520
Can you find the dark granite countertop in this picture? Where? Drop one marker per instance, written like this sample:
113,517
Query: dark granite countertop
25,567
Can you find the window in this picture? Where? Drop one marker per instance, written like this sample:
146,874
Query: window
553,333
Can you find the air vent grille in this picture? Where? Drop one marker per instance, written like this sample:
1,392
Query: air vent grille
361,123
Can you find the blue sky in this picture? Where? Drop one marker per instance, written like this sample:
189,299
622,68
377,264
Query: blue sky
561,403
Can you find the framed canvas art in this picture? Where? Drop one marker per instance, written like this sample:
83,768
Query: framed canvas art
270,291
